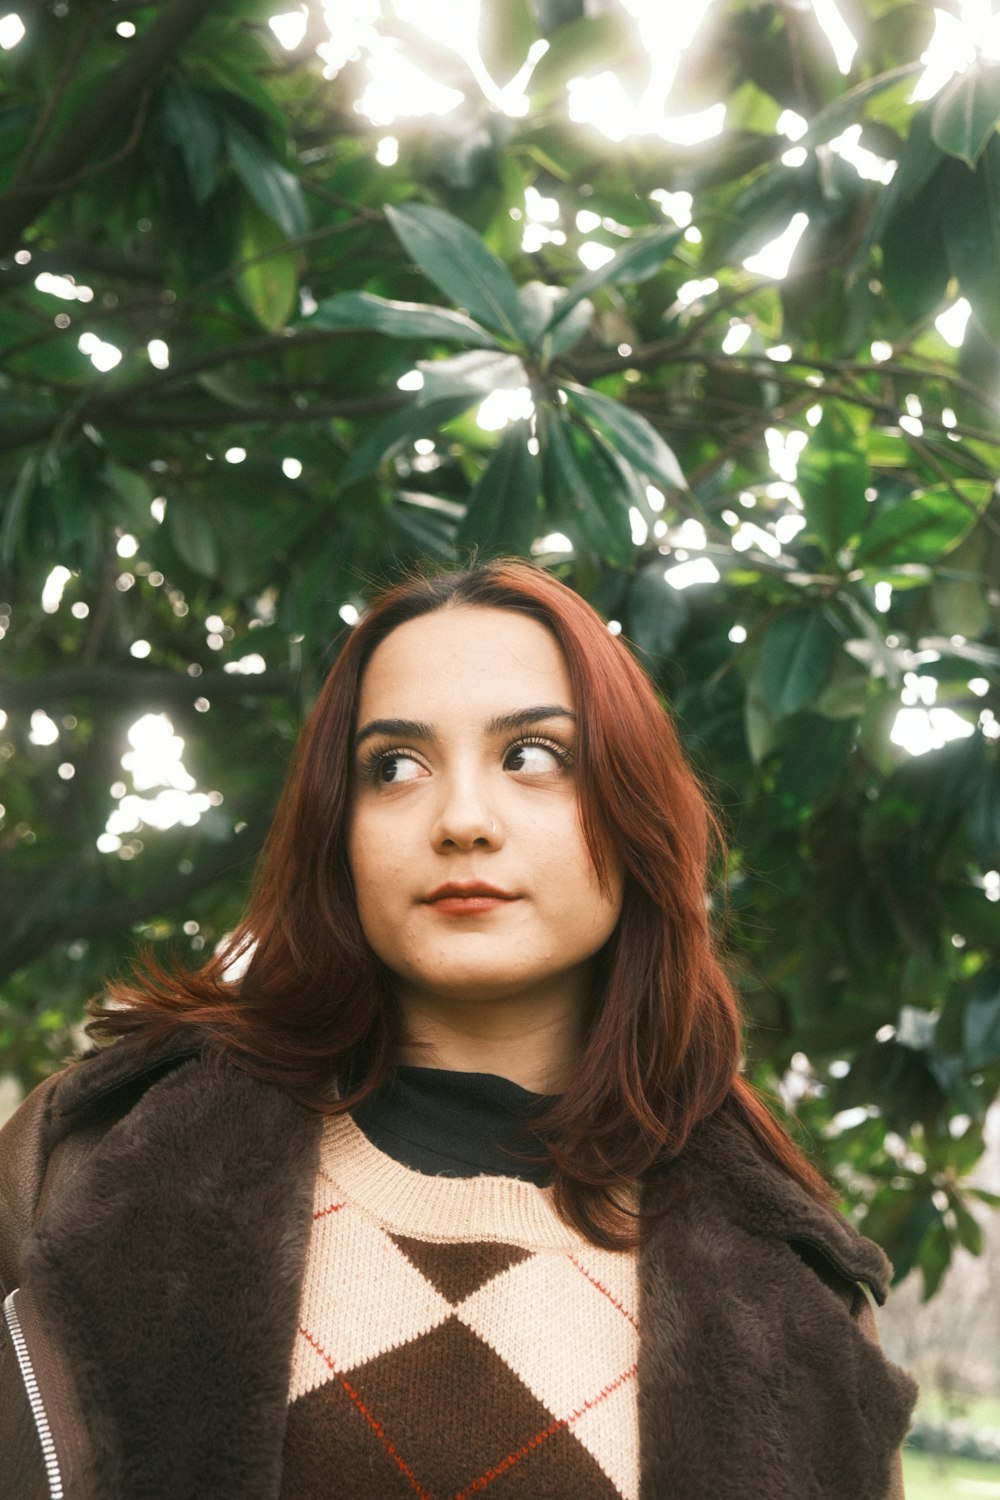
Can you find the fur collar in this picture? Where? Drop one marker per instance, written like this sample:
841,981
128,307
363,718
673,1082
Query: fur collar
755,1380
171,1266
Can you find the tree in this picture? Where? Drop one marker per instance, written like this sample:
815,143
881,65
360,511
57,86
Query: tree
257,350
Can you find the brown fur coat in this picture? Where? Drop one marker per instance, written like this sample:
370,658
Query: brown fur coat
155,1218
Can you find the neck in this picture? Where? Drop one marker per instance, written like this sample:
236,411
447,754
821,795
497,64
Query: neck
511,1040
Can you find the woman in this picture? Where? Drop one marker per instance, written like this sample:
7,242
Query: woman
458,1188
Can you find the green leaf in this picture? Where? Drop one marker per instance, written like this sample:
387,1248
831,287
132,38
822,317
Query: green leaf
15,507
193,537
966,111
474,375
832,476
133,490
982,815
397,433
760,726
503,513
400,320
191,124
898,1221
968,912
796,659
458,262
269,281
420,530
922,527
959,592
847,693
537,299
968,1227
981,1021
914,257
506,31
639,259
934,1258
275,190
630,434
813,759
586,487
570,329
844,110
589,45
920,159
972,234
656,614
236,64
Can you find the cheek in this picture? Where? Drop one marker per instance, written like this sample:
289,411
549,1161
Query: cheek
377,866
363,861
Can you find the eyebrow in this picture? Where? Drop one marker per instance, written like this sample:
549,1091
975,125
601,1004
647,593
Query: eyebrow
415,729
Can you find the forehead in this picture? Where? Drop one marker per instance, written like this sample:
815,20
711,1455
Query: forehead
465,656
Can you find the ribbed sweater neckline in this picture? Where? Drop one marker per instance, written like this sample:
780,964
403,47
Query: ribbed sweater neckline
446,1209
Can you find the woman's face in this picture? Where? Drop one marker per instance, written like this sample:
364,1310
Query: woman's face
473,879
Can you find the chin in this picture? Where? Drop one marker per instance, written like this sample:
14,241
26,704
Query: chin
471,988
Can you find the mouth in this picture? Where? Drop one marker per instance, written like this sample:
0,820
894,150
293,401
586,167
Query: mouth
467,897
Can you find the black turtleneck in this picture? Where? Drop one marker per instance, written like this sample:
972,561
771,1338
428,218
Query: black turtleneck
456,1124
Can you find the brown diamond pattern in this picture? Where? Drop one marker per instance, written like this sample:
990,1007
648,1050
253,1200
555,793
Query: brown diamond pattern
443,1418
457,1276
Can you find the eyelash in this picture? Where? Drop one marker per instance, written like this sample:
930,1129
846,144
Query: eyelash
379,756
374,760
562,755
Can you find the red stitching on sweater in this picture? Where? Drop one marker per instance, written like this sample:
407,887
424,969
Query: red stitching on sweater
509,1461
333,1208
602,1395
540,1437
386,1441
369,1417
311,1338
502,1467
602,1288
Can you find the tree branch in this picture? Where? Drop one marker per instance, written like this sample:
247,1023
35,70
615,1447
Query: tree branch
115,412
97,119
90,169
110,916
83,257
57,92
122,685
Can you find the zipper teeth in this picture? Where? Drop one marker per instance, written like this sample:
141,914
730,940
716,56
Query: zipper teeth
38,1411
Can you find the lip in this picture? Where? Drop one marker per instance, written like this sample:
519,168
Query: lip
459,898
469,890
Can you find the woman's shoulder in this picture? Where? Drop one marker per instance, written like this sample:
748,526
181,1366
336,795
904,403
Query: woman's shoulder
131,1120
95,1088
727,1179
753,1286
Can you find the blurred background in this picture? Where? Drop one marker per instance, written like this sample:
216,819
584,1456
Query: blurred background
695,305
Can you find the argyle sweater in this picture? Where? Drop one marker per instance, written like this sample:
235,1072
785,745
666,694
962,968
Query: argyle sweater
456,1337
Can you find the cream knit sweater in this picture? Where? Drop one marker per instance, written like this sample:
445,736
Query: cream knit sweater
456,1337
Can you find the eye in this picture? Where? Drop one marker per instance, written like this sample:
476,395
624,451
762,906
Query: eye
536,758
391,767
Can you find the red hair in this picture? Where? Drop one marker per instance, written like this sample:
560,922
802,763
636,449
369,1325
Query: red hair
313,1007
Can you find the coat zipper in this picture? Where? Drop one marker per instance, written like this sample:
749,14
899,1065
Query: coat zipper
37,1406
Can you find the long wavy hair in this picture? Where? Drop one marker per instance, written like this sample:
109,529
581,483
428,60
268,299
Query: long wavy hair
313,1011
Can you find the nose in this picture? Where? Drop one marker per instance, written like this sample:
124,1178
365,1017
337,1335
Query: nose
464,817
